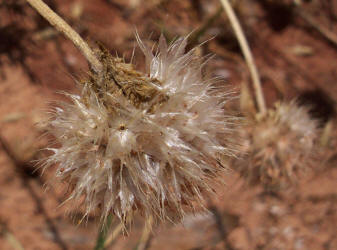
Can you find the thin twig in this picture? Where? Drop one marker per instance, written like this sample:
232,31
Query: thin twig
329,35
223,231
247,54
69,32
114,234
205,26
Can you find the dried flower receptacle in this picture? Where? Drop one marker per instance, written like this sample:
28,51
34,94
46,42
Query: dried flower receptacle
279,146
142,142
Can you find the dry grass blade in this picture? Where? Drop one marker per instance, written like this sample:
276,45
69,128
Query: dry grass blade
115,233
247,54
330,36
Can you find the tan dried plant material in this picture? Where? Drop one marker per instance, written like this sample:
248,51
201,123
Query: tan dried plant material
278,146
143,142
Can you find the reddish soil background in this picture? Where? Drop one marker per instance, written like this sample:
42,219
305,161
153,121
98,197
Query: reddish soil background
294,60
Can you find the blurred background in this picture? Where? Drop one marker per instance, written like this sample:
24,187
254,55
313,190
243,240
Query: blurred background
295,47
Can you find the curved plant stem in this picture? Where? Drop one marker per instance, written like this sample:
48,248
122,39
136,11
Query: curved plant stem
247,54
69,32
114,234
102,235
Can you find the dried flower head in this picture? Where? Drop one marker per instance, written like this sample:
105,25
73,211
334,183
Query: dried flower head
280,146
142,142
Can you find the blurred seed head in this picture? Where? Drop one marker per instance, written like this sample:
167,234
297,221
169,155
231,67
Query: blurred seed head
142,142
278,146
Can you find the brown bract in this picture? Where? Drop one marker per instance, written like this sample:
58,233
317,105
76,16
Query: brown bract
121,76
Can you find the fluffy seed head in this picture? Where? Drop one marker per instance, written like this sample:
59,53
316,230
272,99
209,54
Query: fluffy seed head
280,146
146,142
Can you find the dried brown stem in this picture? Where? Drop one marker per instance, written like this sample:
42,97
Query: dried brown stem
329,35
247,54
115,233
69,32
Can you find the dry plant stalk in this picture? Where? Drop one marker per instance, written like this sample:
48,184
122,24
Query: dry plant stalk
247,54
325,32
140,142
